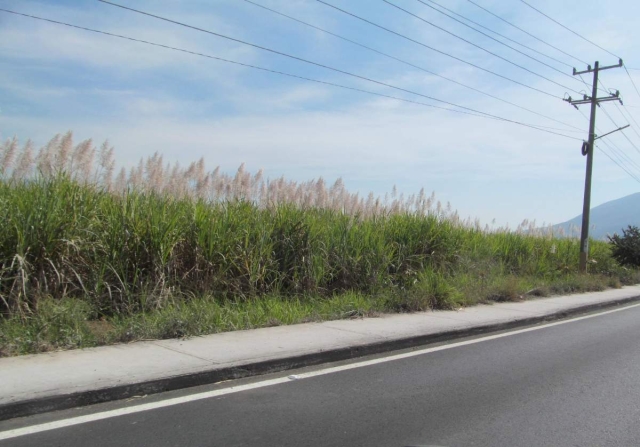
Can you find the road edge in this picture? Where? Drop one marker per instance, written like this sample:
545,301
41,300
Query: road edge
84,398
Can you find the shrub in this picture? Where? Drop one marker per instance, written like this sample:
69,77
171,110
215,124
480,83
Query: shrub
626,248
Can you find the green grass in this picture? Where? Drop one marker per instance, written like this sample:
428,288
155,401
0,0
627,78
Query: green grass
82,267
71,323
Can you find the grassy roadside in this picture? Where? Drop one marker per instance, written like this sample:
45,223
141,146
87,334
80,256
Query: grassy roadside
71,323
87,260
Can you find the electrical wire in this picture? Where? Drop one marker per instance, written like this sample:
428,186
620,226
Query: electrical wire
622,155
622,111
509,61
294,57
632,81
627,164
569,29
637,92
590,87
300,59
619,165
195,53
617,126
434,49
627,116
612,54
280,53
469,112
497,40
614,149
527,32
491,31
410,64
608,91
598,46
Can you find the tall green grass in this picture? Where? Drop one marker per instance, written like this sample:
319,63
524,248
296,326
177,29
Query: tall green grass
85,259
133,252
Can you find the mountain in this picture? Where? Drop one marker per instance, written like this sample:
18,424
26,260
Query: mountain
608,218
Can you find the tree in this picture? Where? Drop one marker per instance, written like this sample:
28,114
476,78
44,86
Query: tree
626,248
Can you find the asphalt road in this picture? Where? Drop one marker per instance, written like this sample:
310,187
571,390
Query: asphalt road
573,384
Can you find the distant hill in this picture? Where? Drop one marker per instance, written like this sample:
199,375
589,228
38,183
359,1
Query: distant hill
608,218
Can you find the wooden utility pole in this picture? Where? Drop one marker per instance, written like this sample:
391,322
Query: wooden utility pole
587,149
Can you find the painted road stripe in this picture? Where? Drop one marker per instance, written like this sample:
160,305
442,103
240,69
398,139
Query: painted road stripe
9,434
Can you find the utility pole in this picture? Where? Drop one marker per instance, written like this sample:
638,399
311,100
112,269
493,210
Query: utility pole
588,148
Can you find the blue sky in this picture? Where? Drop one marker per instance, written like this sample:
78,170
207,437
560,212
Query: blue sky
146,99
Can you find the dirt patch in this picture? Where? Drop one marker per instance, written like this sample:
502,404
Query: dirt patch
100,329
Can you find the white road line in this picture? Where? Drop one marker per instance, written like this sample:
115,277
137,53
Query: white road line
9,434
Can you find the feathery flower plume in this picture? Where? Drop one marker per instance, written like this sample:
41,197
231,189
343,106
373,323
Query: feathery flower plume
151,174
46,157
24,164
7,155
82,158
107,165
61,158
120,184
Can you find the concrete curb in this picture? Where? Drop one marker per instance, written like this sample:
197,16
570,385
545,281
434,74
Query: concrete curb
73,400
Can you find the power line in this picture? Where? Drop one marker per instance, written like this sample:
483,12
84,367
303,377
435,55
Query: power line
603,49
604,89
307,61
490,30
616,150
623,157
470,112
408,63
619,165
434,49
568,29
632,81
623,134
488,51
627,116
301,59
585,83
527,32
637,92
622,111
622,153
195,53
626,70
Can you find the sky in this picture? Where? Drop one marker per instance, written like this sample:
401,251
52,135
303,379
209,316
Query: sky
145,99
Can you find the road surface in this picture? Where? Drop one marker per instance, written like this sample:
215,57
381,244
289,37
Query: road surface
576,383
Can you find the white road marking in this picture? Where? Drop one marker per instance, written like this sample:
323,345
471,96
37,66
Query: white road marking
9,434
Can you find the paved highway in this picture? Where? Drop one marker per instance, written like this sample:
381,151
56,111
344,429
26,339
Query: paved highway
576,383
